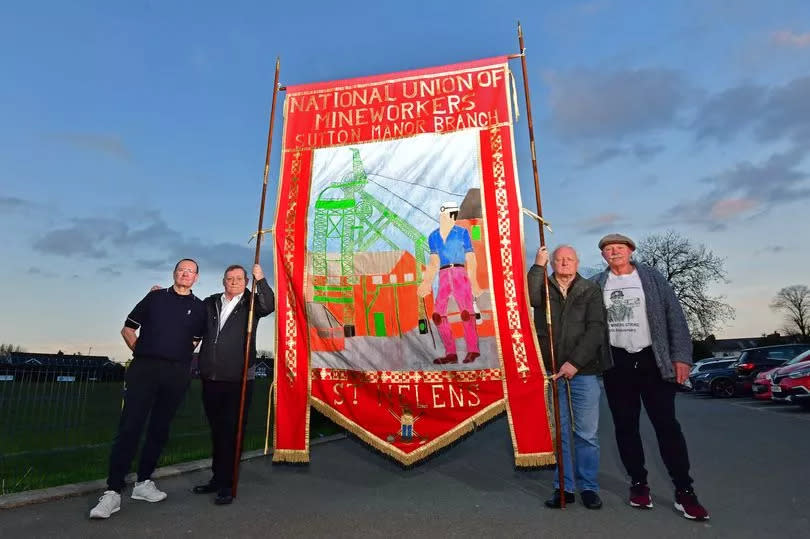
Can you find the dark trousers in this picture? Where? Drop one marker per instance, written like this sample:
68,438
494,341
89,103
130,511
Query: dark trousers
221,402
154,391
634,379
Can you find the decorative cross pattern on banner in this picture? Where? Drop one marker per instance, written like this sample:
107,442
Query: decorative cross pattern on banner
405,316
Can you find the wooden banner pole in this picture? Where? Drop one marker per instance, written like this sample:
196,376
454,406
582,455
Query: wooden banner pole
555,397
249,336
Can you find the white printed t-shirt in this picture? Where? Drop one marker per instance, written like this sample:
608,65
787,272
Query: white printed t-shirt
626,312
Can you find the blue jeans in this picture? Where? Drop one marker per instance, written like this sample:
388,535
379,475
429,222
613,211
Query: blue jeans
585,392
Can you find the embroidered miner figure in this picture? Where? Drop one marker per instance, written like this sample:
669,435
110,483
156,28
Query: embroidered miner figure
406,422
451,255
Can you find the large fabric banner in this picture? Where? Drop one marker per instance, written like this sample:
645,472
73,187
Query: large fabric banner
402,303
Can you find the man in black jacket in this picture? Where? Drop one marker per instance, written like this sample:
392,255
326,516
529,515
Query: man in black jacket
578,323
222,357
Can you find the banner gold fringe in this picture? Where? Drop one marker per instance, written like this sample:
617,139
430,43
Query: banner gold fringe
407,459
535,460
290,455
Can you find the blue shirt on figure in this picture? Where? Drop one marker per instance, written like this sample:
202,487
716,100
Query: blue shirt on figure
453,250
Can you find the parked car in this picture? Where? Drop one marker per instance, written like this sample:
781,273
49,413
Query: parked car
792,384
719,382
704,369
761,388
755,360
706,365
764,380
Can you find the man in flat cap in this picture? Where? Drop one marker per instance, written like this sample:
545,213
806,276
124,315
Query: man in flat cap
651,349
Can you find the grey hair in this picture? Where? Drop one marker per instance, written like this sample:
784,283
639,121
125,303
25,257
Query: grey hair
235,267
564,246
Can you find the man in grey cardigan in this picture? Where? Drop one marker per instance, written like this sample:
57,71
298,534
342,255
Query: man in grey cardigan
649,341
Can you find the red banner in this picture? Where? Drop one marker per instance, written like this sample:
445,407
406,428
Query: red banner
402,303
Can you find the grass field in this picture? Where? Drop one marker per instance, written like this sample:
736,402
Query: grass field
54,433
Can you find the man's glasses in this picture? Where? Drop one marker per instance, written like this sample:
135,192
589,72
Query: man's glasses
186,270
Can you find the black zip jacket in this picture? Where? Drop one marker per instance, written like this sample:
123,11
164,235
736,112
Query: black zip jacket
578,322
222,354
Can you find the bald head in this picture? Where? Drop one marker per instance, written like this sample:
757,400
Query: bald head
564,261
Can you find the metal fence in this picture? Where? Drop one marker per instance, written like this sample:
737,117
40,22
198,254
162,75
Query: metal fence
57,425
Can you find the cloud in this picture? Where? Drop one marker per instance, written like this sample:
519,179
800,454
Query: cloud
775,249
725,114
87,237
788,38
642,152
786,113
602,156
645,152
611,105
39,272
10,204
600,223
104,238
746,188
109,271
212,258
154,264
593,7
108,144
776,113
730,207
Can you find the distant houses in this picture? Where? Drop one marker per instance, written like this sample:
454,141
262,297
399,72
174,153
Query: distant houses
732,347
58,367
36,367
721,348
263,366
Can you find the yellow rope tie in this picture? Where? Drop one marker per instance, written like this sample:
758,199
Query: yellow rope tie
536,217
265,231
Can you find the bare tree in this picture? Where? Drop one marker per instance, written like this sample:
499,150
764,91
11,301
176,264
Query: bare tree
794,303
690,269
6,349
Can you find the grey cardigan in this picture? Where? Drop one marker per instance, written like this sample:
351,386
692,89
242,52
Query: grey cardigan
669,331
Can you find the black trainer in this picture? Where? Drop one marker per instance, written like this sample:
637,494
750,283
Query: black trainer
591,499
554,501
224,496
207,488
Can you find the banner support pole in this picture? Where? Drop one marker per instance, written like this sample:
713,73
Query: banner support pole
249,335
555,397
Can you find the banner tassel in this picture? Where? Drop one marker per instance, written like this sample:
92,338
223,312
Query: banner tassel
515,106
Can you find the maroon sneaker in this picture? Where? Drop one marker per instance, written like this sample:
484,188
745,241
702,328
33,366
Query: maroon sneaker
640,496
687,503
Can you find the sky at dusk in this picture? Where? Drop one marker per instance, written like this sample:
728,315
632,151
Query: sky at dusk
133,134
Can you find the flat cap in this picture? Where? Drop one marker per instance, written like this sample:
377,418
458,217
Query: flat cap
616,238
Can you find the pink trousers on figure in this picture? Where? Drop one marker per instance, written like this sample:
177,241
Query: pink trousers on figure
454,281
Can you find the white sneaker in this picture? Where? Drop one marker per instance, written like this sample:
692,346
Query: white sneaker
147,491
109,503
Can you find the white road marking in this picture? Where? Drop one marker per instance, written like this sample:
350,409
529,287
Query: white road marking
774,408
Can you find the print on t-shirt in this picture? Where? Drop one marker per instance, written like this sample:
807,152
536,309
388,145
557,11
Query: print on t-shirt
621,308
626,312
